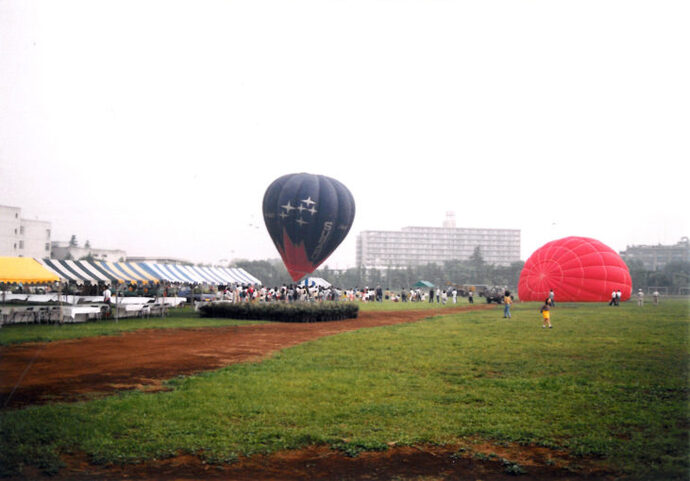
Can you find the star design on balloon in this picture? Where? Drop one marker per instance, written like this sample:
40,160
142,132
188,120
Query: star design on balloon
288,207
304,205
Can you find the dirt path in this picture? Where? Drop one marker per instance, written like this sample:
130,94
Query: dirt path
404,463
69,370
36,373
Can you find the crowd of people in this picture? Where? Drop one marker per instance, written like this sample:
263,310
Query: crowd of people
297,292
285,293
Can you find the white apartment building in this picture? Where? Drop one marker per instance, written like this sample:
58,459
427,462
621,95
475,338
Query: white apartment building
21,237
63,250
412,246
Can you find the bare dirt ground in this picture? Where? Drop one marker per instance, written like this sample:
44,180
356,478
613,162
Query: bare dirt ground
37,373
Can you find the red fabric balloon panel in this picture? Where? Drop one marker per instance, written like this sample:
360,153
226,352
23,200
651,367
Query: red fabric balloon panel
578,269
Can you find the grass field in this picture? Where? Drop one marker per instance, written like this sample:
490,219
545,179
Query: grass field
610,383
177,318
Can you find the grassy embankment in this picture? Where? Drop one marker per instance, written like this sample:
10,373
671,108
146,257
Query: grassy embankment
606,382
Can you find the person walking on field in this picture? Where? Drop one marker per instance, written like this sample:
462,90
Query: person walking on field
507,302
546,313
613,298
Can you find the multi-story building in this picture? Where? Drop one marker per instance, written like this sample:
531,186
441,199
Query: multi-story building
412,246
21,237
655,257
65,250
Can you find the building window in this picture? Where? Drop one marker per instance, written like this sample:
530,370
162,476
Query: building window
21,230
47,246
21,244
47,233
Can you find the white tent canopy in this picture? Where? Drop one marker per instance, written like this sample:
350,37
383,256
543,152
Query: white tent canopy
315,282
101,271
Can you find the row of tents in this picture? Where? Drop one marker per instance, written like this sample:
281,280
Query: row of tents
30,270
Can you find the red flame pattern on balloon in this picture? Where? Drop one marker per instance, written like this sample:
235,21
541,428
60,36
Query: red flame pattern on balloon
578,269
295,258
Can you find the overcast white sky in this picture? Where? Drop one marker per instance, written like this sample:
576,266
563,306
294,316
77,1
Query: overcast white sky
156,126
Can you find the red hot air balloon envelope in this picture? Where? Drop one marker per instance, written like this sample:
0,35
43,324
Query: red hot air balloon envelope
578,269
307,216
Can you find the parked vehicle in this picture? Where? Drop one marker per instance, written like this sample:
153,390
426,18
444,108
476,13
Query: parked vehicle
493,294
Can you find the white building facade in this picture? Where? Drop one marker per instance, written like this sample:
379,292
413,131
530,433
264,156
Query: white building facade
21,237
413,246
63,250
655,257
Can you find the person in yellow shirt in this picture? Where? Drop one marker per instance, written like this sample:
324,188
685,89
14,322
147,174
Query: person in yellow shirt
507,302
546,313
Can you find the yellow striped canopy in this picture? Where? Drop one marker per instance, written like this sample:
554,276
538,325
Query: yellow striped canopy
25,270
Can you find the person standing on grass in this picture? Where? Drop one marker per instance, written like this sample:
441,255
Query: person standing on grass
546,313
613,298
507,302
618,297
656,298
552,297
640,297
431,295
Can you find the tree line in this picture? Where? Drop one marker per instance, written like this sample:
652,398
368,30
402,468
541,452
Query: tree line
472,271
672,278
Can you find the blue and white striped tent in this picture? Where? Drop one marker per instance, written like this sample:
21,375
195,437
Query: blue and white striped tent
102,271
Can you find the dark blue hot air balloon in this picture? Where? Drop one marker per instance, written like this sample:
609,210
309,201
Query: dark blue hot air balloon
307,216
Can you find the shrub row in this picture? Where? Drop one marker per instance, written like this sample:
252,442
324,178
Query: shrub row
282,312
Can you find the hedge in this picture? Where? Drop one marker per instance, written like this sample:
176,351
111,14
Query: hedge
282,312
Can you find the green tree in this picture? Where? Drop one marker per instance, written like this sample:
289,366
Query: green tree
678,274
476,259
271,273
638,273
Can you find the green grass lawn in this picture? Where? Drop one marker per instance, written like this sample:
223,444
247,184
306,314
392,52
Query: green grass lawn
177,318
605,382
387,305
